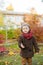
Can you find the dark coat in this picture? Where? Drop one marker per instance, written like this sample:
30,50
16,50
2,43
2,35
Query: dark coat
28,51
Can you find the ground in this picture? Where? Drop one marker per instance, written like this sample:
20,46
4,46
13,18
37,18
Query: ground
15,59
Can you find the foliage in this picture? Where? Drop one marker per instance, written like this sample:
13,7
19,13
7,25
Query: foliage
13,34
2,63
37,30
1,19
10,34
1,38
17,32
3,32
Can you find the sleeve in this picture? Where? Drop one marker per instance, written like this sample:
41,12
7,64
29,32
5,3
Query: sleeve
19,42
35,45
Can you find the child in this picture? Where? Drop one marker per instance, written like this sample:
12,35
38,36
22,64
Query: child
26,42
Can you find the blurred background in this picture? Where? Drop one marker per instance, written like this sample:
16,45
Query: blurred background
12,13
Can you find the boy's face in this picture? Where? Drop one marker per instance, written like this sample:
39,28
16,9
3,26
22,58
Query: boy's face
25,29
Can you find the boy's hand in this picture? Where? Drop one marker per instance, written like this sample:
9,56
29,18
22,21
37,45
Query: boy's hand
22,45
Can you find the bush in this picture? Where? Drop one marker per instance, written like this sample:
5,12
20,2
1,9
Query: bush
38,32
2,63
13,34
2,38
3,33
10,34
34,21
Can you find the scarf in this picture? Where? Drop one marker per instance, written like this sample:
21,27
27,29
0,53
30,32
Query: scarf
27,35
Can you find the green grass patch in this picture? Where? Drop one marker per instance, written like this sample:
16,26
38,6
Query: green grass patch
16,59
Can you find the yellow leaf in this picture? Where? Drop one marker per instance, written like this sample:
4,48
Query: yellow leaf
1,20
11,53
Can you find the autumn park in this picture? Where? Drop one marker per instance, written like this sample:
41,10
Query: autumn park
10,31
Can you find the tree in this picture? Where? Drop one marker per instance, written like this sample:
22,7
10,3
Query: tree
33,20
1,19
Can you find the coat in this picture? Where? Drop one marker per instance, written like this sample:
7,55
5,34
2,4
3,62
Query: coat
30,45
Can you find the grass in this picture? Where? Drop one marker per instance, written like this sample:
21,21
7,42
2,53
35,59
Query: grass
13,46
16,59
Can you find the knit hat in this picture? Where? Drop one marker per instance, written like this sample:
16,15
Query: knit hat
25,24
